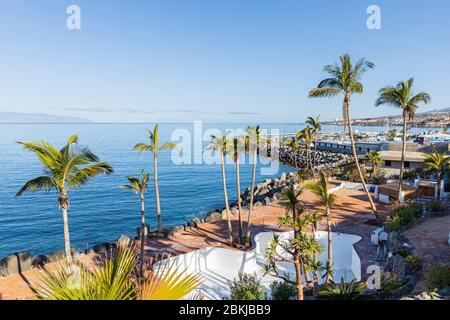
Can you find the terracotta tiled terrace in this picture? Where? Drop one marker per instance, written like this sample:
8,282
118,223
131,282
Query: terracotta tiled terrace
352,215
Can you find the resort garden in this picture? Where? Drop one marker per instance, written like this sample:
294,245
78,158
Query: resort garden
296,261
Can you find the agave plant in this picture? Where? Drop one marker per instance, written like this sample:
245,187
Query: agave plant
343,291
113,279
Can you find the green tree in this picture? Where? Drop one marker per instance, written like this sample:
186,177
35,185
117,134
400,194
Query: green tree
238,147
439,163
401,96
253,139
139,185
219,144
321,189
154,146
301,249
294,144
373,160
345,79
316,126
306,135
65,169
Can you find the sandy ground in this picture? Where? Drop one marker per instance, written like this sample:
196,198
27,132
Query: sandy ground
352,214
430,241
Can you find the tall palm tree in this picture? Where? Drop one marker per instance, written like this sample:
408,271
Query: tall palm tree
237,148
316,126
138,185
306,135
114,279
154,146
219,143
326,199
345,79
439,163
253,139
294,144
401,96
373,160
67,168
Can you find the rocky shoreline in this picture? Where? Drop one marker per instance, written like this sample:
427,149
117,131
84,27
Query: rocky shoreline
265,193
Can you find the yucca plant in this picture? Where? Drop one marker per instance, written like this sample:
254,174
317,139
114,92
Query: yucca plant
115,278
343,291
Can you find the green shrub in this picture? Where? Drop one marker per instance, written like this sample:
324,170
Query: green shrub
390,284
435,207
247,287
405,252
438,277
414,262
394,223
343,291
404,215
282,290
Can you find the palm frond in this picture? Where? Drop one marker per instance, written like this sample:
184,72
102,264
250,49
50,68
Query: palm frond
43,183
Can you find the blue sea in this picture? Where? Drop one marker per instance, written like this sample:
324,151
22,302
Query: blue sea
102,210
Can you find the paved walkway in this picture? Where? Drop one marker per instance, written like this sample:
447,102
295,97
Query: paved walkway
351,215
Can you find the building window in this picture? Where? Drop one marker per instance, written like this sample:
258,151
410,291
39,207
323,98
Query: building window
388,163
407,164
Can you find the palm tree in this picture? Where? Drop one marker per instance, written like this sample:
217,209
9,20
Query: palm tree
235,153
373,159
401,96
290,201
345,79
66,168
113,279
139,186
219,144
439,163
154,147
253,140
293,143
306,135
316,126
321,189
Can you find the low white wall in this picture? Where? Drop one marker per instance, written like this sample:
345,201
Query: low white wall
218,266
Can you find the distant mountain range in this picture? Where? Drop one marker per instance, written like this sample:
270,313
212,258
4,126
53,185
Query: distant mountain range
14,117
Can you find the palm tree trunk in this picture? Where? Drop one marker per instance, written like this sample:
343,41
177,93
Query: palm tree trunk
158,205
315,149
66,232
252,192
439,180
227,207
142,233
402,163
299,279
355,156
308,281
238,188
330,248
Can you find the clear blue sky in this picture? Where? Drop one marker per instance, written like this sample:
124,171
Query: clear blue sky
213,60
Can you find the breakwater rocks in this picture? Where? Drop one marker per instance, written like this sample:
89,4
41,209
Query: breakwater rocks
323,160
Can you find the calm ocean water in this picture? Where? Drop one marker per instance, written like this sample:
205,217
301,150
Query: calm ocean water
102,210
